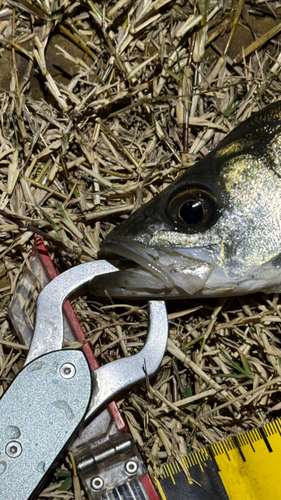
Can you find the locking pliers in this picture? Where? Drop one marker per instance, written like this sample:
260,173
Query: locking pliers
56,393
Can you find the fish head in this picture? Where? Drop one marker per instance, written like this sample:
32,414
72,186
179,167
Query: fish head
216,230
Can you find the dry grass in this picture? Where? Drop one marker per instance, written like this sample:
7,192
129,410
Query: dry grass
101,108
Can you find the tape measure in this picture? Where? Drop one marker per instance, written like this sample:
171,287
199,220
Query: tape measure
247,466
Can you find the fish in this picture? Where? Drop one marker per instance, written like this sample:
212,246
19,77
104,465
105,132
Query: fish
215,231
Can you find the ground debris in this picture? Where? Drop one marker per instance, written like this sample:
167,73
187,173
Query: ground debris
101,108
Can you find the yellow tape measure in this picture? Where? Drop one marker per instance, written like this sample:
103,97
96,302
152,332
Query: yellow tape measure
245,467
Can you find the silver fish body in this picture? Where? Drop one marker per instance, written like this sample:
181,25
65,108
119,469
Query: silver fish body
216,231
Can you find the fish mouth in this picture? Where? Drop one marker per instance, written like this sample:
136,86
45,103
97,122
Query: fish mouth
151,272
170,273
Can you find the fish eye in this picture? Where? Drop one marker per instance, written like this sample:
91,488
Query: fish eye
194,210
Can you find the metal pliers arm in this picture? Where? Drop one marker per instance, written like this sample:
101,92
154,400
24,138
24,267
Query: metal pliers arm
56,392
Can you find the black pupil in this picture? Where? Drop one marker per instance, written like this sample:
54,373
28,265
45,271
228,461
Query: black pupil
192,212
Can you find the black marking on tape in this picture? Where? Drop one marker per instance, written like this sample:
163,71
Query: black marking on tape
225,450
236,441
277,423
264,437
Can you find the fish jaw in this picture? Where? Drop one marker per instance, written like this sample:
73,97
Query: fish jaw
152,272
179,273
162,273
